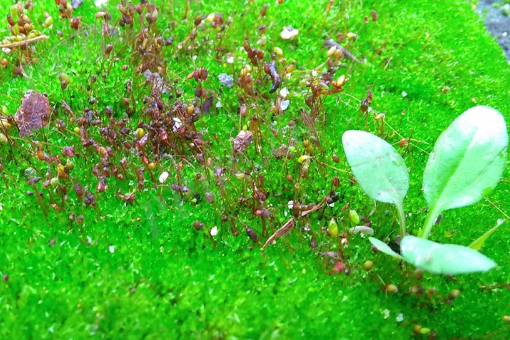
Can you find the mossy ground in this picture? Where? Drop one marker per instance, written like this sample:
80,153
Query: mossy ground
142,271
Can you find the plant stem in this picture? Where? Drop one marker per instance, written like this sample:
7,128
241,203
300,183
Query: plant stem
400,208
429,222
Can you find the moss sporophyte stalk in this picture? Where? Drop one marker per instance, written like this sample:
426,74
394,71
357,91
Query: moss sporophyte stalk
175,169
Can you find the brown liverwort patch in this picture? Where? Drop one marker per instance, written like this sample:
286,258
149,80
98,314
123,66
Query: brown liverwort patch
33,113
243,139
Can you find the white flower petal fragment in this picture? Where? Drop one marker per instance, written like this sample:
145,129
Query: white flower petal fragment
361,229
439,258
289,32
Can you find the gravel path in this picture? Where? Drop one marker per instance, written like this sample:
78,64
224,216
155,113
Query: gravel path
497,23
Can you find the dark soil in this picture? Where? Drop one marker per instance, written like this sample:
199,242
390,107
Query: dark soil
497,23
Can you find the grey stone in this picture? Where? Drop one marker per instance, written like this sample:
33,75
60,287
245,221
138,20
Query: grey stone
226,80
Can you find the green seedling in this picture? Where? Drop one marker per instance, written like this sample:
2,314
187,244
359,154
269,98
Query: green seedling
466,165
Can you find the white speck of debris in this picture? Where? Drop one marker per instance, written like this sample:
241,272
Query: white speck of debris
362,229
163,177
194,58
284,92
289,33
404,94
284,104
386,313
400,317
111,249
290,204
100,3
230,60
177,124
218,104
214,231
504,34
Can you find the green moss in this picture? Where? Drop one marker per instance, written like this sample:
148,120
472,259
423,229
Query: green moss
142,271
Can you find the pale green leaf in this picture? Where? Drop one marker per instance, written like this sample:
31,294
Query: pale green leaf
443,258
378,167
467,161
383,247
478,243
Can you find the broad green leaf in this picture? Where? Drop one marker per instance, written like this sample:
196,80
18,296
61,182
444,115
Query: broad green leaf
478,243
467,161
443,258
383,247
378,167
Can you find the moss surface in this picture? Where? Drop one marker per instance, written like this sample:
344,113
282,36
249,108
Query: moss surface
142,271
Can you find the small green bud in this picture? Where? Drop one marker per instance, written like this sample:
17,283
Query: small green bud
353,215
303,158
140,133
424,331
454,294
69,164
48,22
210,17
333,228
391,288
63,77
263,40
368,265
331,52
14,11
418,274
278,51
54,181
61,170
15,29
102,151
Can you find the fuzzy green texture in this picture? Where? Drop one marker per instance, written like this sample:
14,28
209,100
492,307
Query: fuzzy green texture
142,271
